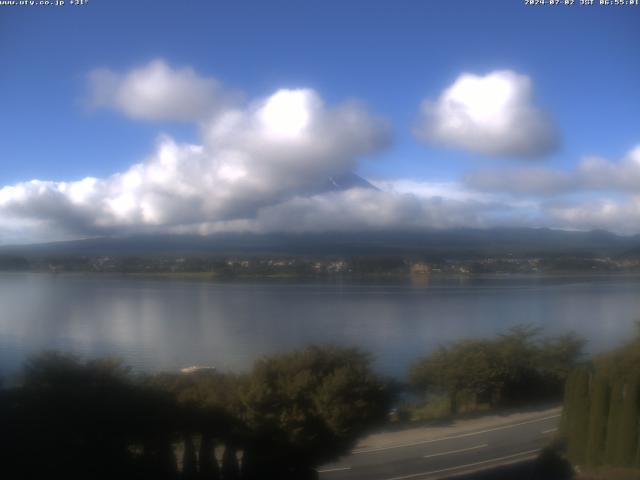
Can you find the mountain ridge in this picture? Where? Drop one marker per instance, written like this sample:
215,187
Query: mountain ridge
463,242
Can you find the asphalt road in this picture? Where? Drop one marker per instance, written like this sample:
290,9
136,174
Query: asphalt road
450,455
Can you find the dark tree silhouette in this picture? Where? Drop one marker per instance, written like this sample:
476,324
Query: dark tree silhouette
79,420
209,469
189,459
230,467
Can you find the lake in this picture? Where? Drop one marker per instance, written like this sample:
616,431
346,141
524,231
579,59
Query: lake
168,324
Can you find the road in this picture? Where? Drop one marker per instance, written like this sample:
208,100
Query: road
464,449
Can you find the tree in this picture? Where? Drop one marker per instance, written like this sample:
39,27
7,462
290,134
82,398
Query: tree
598,414
577,422
207,405
209,469
230,468
95,420
613,400
636,462
515,367
466,367
628,428
189,460
80,420
557,356
249,470
308,407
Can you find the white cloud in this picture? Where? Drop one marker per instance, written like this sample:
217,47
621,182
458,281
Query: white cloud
251,157
593,174
621,215
156,91
531,180
292,140
431,189
597,194
359,209
600,174
365,209
265,165
492,115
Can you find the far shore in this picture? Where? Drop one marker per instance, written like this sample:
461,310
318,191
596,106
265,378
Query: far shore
414,279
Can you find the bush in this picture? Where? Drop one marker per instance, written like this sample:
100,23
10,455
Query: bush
515,368
308,407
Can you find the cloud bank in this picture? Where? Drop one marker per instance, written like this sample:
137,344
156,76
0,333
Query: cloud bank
596,194
613,214
254,161
269,164
491,115
592,174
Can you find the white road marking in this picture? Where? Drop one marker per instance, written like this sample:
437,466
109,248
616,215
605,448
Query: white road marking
337,469
461,467
452,437
551,430
457,451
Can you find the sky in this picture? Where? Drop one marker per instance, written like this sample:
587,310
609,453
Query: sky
203,116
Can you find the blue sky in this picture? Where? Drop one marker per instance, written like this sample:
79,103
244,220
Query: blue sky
581,62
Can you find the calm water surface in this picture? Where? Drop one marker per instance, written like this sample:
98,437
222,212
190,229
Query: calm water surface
160,324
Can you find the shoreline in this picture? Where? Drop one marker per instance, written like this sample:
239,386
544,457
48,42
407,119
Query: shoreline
399,278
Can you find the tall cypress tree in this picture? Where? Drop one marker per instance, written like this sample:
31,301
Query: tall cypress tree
565,419
613,424
159,459
598,414
250,467
628,428
230,468
578,420
189,459
209,469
